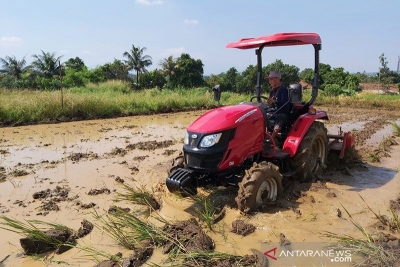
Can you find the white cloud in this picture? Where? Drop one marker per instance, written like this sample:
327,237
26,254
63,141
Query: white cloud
150,2
191,21
10,41
177,51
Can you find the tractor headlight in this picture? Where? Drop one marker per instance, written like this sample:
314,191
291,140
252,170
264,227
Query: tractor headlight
186,140
210,140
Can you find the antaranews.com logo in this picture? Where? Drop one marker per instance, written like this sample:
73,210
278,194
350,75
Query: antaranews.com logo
307,254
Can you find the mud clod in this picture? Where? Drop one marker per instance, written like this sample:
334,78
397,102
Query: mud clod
318,185
190,235
58,237
339,213
75,157
395,204
18,173
41,194
88,206
150,145
103,190
242,228
115,209
169,152
3,175
139,256
331,194
85,229
119,180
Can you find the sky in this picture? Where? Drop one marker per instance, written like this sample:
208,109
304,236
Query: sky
354,33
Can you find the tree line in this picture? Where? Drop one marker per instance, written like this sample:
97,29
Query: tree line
48,72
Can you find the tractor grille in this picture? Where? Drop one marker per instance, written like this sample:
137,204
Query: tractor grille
208,162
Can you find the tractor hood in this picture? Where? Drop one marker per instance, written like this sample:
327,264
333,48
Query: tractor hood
226,117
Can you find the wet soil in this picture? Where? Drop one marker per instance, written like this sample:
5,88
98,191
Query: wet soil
65,171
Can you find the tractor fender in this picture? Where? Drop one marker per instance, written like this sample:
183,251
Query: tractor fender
299,129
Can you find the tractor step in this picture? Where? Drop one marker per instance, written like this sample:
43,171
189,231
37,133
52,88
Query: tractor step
280,154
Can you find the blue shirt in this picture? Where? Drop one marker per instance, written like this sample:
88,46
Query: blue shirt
281,95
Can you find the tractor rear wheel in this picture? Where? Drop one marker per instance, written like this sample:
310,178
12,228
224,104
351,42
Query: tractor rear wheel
312,153
261,183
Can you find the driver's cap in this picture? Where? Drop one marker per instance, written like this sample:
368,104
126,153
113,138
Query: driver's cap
274,74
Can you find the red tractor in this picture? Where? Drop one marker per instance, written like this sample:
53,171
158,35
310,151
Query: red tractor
233,144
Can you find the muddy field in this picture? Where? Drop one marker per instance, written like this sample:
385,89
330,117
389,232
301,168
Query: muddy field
62,173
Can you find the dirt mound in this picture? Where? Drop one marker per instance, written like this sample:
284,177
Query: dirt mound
190,235
150,145
50,198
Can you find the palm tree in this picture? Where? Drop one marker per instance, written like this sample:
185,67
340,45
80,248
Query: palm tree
13,67
137,61
46,64
169,66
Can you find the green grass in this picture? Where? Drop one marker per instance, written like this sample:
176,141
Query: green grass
206,210
138,195
129,230
382,150
31,229
360,100
116,98
111,99
98,254
396,128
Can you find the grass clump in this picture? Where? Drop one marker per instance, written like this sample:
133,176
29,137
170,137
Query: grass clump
396,128
138,195
205,209
382,150
100,255
129,230
31,230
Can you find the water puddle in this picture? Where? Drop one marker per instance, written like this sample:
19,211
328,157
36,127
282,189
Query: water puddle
345,127
55,142
380,135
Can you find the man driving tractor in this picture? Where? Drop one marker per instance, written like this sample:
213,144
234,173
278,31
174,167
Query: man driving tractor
279,99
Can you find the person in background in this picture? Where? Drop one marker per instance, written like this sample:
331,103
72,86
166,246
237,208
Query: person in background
278,98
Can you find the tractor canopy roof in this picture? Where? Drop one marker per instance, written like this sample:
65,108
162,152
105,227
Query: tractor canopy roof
278,39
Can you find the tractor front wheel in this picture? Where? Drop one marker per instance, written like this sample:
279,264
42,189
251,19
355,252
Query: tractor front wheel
260,184
312,153
176,163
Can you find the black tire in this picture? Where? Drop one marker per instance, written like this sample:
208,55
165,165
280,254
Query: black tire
261,183
311,156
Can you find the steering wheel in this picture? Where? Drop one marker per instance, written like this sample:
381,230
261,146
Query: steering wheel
263,97
255,97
